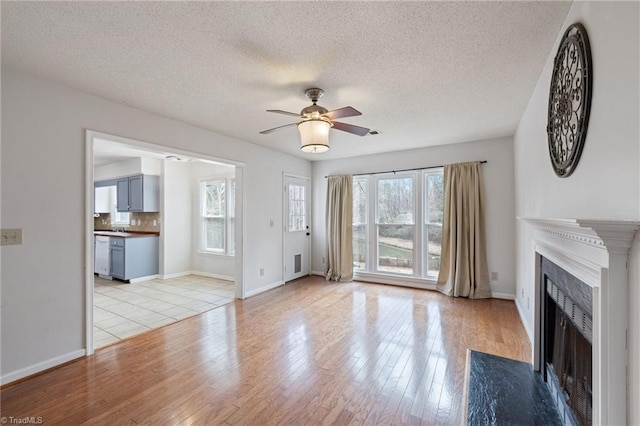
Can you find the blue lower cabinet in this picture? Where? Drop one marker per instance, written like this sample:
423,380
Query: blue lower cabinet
134,257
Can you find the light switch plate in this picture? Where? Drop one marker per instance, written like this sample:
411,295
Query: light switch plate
11,237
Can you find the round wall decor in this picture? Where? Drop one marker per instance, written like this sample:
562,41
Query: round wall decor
569,100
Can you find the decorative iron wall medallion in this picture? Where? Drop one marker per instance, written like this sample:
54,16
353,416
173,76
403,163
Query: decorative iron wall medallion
569,100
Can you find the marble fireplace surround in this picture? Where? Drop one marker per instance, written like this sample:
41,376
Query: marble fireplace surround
596,252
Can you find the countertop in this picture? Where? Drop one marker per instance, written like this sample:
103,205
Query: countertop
129,234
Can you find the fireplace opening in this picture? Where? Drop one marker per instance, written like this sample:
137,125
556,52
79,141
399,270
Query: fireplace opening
567,344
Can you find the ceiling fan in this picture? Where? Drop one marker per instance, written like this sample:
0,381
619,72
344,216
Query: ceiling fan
315,121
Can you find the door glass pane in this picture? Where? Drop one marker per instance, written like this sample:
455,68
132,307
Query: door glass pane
297,211
395,248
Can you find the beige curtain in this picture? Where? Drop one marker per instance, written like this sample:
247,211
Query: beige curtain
463,264
339,228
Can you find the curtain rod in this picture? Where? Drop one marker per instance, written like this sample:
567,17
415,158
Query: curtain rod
403,170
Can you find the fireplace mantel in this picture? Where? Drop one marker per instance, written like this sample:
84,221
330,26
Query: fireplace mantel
613,236
596,252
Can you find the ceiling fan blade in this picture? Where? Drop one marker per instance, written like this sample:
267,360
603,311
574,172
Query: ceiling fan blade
350,128
279,111
342,112
264,132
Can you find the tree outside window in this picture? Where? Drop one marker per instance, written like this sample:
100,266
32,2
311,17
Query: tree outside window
218,205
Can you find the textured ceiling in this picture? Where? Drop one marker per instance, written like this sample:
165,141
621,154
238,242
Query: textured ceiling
422,73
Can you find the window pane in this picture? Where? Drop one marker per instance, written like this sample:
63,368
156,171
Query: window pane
359,246
231,235
434,198
433,246
297,211
214,198
360,228
214,233
395,248
395,200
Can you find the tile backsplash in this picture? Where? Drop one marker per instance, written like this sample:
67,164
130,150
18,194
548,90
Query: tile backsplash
139,222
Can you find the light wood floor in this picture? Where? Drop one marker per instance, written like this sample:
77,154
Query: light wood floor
310,352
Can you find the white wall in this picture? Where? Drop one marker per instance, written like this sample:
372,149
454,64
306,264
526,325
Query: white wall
606,183
499,192
43,167
177,222
132,166
220,266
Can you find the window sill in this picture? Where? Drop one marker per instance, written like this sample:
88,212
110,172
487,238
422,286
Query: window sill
215,254
379,278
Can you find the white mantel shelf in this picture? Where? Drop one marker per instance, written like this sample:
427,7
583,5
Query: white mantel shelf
596,252
615,236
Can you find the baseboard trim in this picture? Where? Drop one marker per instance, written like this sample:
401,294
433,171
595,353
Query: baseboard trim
395,280
212,275
175,275
143,279
319,273
524,321
505,296
41,367
263,289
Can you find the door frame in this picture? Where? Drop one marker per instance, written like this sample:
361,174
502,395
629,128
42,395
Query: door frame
285,220
90,136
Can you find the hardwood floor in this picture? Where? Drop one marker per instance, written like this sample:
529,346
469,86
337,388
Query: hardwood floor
310,352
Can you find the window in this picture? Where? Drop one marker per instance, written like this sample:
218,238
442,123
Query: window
360,220
405,211
395,224
433,214
218,221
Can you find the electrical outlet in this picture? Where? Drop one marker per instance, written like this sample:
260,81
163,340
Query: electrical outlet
271,223
11,237
323,260
522,293
494,276
155,222
262,272
527,303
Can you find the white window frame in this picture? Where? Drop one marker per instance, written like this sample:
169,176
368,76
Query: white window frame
420,243
426,222
228,248
366,179
376,223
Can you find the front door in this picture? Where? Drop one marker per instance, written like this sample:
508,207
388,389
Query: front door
296,227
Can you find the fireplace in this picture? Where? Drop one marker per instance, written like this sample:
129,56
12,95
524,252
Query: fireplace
566,342
581,297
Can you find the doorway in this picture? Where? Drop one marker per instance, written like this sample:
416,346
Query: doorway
296,227
187,169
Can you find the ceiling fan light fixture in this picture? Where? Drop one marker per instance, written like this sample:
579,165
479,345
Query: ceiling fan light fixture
314,136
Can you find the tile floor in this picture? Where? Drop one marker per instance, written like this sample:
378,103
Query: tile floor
123,310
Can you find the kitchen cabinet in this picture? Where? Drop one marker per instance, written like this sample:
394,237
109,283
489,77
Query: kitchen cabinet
134,257
140,193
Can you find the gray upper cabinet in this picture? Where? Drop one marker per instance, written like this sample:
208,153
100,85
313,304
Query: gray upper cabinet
138,193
